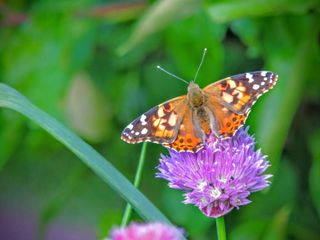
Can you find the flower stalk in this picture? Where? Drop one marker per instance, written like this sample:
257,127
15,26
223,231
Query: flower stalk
221,228
136,183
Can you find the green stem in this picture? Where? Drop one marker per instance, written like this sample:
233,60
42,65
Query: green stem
221,228
137,179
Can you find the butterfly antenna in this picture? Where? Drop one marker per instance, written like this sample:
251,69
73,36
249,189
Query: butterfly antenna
203,55
172,75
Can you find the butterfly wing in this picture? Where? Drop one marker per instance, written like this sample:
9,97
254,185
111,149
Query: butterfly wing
159,125
189,138
238,93
231,99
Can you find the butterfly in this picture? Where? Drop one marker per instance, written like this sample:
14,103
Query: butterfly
184,122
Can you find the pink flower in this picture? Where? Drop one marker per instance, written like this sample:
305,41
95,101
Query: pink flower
147,231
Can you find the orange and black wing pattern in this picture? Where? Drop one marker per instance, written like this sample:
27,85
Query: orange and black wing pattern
238,93
188,138
226,122
231,99
159,125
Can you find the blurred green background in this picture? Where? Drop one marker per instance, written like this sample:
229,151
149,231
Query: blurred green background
92,65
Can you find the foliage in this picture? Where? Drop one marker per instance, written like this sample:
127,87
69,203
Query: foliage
92,65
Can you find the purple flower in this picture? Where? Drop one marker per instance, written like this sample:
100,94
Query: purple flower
147,231
219,177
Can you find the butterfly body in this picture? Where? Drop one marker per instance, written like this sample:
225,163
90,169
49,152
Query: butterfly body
196,98
202,119
221,108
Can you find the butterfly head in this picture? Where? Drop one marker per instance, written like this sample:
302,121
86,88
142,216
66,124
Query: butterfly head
196,97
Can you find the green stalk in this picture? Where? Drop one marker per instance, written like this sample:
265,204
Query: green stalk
137,180
221,228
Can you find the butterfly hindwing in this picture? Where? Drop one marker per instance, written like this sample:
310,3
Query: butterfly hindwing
159,125
188,137
238,93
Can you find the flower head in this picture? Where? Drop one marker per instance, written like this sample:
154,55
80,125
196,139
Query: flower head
147,231
219,177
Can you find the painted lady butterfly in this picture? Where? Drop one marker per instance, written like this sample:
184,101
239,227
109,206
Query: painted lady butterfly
221,108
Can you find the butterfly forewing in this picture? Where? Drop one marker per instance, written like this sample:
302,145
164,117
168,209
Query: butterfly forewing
231,99
159,125
238,93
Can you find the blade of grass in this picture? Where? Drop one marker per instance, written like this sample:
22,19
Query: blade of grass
10,98
159,15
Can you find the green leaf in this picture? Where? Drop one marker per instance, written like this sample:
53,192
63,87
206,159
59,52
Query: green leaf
231,10
267,208
249,230
314,176
63,194
199,225
87,110
266,204
10,98
249,31
262,228
277,229
40,58
180,38
11,130
161,14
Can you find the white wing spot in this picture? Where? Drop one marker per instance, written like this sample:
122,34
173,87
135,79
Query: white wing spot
144,131
232,84
265,78
250,77
130,126
241,88
227,97
263,73
172,119
156,122
161,127
161,112
136,133
255,86
143,120
262,83
132,132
